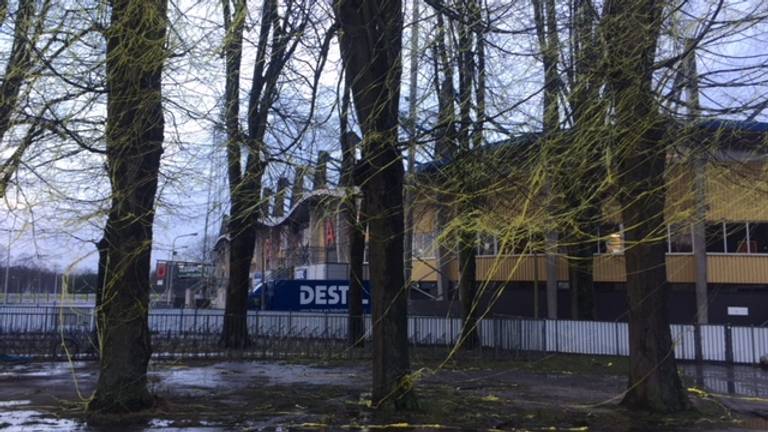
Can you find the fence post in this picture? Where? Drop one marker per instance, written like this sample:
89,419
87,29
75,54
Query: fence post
257,323
326,335
728,344
181,320
544,335
617,339
754,348
697,343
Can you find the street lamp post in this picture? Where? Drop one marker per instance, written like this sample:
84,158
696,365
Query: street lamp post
172,263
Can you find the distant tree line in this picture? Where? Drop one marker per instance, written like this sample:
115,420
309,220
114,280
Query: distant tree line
25,279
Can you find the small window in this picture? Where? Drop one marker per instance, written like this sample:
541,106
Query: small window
486,245
758,237
736,238
715,238
611,239
680,238
424,244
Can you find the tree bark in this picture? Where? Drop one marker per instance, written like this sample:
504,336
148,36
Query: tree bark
134,134
245,183
102,246
467,252
654,383
370,42
468,291
355,226
584,201
639,143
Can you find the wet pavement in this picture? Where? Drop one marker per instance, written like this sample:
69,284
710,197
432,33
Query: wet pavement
271,396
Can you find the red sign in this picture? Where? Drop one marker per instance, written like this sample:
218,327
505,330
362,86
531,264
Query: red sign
330,236
161,270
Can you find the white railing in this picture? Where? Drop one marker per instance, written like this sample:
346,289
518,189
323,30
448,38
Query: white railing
717,343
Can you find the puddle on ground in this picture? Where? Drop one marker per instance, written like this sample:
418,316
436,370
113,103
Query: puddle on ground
232,376
36,421
13,403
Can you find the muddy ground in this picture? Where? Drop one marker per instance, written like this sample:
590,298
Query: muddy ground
575,393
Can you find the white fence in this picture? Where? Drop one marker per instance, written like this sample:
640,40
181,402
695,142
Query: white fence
716,342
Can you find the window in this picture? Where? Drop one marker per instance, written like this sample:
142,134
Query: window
758,237
424,244
486,245
680,238
715,237
736,238
611,239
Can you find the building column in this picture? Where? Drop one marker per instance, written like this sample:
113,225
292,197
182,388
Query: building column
551,250
700,239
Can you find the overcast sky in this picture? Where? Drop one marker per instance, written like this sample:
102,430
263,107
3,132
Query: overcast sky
52,228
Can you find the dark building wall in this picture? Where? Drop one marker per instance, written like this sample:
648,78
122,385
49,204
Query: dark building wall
517,299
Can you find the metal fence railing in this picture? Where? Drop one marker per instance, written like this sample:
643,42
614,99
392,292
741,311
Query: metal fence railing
40,331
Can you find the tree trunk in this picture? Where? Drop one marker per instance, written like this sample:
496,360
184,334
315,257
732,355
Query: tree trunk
580,263
410,192
245,184
467,252
467,291
634,27
134,134
241,246
370,42
654,383
445,149
356,228
102,246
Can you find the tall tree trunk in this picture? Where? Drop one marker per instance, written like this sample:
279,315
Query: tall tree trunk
244,205
445,149
634,27
102,246
134,134
467,250
468,290
584,202
355,226
546,31
654,383
235,329
245,184
412,116
370,41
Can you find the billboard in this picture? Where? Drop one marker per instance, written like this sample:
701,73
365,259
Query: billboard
310,295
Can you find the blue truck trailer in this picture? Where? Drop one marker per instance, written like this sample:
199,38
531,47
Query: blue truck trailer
303,295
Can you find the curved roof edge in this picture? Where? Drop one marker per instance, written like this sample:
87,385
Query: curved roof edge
307,200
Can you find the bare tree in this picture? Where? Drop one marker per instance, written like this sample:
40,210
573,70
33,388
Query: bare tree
370,41
354,216
278,38
639,141
136,53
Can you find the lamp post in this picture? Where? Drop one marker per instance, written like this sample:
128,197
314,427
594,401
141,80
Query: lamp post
172,264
